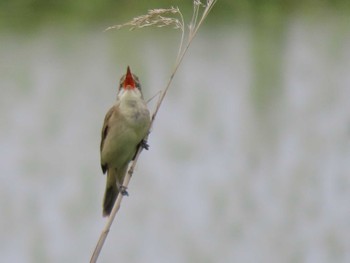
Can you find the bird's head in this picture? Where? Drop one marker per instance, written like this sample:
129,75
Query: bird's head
129,82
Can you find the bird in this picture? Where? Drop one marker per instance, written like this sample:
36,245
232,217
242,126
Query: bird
124,129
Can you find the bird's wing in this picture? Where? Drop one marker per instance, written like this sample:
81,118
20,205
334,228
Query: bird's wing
104,133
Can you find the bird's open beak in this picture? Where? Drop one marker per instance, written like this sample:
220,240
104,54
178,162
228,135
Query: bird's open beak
129,82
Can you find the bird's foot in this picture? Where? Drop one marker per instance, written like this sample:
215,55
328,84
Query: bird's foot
144,144
123,191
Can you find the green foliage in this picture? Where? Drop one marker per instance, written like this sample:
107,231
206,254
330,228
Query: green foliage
30,14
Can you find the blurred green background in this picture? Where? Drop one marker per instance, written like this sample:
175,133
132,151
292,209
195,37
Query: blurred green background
250,153
26,15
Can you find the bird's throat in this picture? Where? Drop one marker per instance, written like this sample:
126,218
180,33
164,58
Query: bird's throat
130,103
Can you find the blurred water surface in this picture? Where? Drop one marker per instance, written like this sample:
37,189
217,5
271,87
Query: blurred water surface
249,158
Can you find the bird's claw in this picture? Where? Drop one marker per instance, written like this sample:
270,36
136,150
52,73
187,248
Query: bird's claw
144,144
123,191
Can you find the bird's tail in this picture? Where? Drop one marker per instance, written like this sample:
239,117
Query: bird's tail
111,192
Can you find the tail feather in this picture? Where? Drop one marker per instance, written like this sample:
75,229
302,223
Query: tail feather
111,192
109,199
114,181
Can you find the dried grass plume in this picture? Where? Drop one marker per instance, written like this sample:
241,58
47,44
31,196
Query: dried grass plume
154,17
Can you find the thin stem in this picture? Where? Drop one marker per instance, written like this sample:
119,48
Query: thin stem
194,16
182,37
155,95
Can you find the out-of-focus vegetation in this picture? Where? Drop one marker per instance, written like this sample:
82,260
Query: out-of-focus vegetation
31,14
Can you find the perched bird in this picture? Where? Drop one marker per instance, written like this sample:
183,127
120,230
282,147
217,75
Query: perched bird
125,126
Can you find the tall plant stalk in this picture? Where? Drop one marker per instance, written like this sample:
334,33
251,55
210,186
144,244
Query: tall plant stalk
158,18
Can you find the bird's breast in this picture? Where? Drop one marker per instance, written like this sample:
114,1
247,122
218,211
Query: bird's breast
135,113
127,128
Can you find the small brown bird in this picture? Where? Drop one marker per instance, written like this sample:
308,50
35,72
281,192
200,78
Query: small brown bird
125,126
